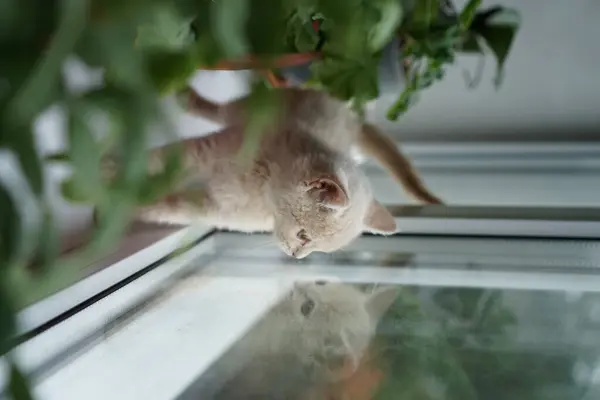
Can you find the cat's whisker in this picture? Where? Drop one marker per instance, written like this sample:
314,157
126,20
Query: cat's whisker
261,245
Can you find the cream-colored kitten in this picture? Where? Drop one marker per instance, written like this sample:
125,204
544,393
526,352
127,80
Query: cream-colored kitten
326,325
303,184
318,334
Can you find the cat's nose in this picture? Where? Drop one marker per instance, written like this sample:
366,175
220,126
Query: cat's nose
300,253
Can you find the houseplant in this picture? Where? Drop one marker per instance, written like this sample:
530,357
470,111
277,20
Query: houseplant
147,48
346,54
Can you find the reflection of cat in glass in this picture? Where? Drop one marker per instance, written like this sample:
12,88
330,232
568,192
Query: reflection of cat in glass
316,335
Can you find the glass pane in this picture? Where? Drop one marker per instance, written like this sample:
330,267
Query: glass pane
432,343
520,325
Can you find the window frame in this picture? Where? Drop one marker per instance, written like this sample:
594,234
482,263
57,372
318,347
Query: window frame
58,327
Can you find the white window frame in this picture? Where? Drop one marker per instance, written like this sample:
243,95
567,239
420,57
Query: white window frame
43,356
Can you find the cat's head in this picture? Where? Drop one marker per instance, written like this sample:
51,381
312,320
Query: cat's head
325,212
334,324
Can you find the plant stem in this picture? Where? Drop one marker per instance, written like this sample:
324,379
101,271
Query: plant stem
252,62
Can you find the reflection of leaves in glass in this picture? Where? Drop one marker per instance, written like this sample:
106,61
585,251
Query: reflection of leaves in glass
491,358
420,363
461,346
512,375
473,314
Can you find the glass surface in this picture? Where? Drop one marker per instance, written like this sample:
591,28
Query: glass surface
521,326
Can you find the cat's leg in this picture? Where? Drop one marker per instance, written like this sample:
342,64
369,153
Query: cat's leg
183,207
380,146
201,152
190,201
197,152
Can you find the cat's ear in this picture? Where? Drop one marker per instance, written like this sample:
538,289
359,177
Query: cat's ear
379,219
329,191
380,300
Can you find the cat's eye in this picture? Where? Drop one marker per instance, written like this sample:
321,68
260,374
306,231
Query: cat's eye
303,236
307,307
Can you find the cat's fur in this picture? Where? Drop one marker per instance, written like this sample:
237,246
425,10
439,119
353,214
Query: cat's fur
303,184
321,346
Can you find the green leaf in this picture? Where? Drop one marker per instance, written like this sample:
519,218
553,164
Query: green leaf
425,13
347,79
263,109
124,65
468,13
166,29
169,70
498,32
47,250
84,154
24,60
300,35
37,91
340,11
113,218
422,77
164,182
7,320
229,24
470,44
346,28
402,104
134,144
349,39
20,139
390,15
305,38
71,193
18,385
207,47
11,234
266,27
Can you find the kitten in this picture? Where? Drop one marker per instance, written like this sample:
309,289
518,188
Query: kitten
303,184
317,335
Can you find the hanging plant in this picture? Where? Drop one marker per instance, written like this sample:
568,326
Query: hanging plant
383,45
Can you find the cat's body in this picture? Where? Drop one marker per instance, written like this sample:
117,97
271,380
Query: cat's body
317,335
238,195
303,184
